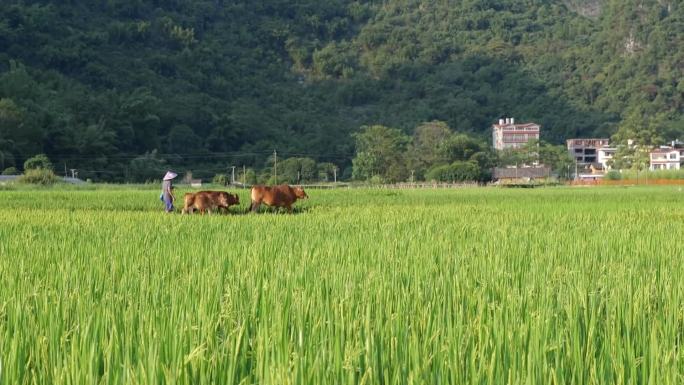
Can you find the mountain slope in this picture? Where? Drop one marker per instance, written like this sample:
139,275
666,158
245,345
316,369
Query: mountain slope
210,84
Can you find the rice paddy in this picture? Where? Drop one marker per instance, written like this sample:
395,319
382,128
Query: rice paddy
465,286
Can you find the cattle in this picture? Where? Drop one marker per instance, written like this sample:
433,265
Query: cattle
208,201
276,196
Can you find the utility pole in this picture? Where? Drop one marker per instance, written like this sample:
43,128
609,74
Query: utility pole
335,173
232,178
275,167
73,173
65,170
412,176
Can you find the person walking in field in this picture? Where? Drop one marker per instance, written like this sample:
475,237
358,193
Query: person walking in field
167,191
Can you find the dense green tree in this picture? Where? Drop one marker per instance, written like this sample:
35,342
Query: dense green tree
557,157
631,156
512,157
486,161
327,172
249,176
461,147
427,146
11,119
640,128
298,170
182,140
541,153
38,162
458,171
147,167
460,157
381,153
220,179
6,156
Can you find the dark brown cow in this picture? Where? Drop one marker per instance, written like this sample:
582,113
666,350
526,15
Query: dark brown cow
278,196
207,201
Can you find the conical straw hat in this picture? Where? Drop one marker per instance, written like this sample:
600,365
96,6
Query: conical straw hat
170,175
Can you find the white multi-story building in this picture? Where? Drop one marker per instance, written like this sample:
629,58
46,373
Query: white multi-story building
508,135
665,158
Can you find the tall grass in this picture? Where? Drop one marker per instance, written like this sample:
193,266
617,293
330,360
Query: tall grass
472,286
656,174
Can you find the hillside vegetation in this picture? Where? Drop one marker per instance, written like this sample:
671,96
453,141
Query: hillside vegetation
122,88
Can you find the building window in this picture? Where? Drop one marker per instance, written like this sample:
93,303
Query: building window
673,156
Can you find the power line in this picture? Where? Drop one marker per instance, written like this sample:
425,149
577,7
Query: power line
216,155
180,168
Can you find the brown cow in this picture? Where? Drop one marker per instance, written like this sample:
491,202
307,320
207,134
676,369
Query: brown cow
278,196
206,201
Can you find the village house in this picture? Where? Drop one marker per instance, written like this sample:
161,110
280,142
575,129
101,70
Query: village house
585,151
508,135
591,157
665,158
593,172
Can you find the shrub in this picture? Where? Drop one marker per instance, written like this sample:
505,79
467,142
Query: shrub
147,167
39,176
666,174
10,171
221,179
613,175
249,177
39,161
456,172
657,174
438,173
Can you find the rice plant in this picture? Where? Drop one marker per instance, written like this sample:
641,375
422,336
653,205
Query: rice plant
469,286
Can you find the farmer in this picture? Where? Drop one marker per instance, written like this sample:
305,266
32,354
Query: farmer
167,191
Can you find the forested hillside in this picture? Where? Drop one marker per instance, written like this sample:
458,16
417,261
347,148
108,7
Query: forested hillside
122,89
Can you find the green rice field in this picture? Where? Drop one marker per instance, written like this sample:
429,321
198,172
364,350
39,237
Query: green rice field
360,286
